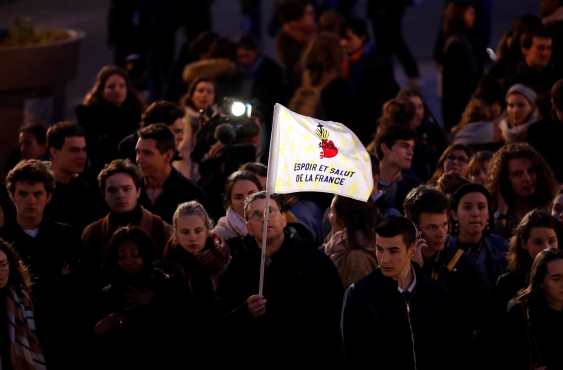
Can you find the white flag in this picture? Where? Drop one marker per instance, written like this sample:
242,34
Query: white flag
307,154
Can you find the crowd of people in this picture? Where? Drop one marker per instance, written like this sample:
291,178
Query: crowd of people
132,237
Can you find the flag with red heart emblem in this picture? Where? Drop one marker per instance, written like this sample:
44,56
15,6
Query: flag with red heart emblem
307,154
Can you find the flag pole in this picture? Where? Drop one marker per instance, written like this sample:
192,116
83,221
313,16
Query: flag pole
269,187
264,243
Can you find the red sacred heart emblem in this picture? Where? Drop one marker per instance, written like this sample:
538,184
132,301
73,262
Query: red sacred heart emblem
329,150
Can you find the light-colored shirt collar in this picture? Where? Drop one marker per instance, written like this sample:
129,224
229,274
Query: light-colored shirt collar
411,286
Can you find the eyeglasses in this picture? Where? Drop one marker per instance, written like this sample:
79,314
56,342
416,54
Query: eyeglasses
259,215
460,158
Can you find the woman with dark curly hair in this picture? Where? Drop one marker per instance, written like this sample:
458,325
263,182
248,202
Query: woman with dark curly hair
111,110
537,231
520,180
19,345
533,331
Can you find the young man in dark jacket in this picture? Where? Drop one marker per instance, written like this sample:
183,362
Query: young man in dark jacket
396,317
50,250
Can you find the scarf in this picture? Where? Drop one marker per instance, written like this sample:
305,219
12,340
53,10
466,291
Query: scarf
25,351
230,226
517,133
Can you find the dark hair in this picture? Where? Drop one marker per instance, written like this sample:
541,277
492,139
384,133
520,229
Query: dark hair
19,276
322,55
257,168
392,226
357,26
203,43
467,189
161,134
534,294
37,130
498,181
135,235
448,183
119,166
389,135
454,18
95,95
239,176
359,218
528,37
57,134
397,111
30,171
518,258
186,100
557,96
247,43
261,195
424,199
330,21
291,10
161,111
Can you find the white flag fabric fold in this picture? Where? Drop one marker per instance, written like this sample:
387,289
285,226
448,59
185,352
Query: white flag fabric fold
307,154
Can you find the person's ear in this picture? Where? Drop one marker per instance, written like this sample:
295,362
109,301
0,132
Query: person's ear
385,149
52,152
168,155
284,219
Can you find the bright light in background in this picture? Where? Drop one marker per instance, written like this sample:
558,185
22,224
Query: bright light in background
238,109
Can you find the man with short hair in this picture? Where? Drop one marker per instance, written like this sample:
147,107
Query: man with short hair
164,188
74,201
302,294
396,318
120,183
428,208
160,111
535,70
394,146
50,251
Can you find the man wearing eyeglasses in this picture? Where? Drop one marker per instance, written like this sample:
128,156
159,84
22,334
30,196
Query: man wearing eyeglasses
302,294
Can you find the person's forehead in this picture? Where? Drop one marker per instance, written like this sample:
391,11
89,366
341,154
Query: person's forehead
433,217
146,144
30,187
555,267
120,178
260,204
539,40
518,164
396,241
3,257
404,141
191,221
74,141
115,78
